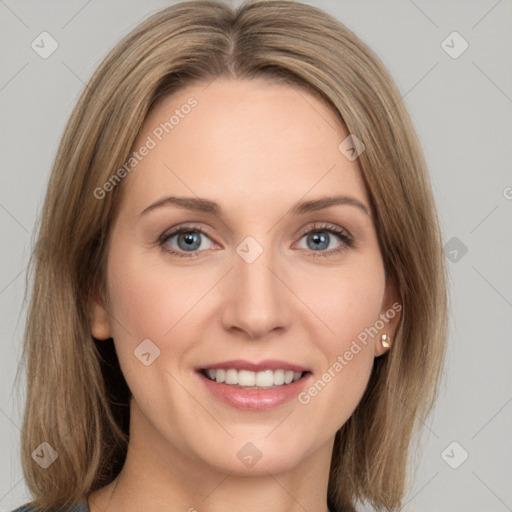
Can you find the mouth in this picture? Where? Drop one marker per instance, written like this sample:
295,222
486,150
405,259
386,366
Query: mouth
254,386
247,379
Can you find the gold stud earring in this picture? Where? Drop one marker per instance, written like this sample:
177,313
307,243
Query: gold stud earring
385,340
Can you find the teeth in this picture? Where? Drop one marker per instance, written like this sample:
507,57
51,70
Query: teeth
263,379
278,377
246,378
231,377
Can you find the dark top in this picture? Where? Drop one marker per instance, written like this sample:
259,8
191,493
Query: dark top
81,507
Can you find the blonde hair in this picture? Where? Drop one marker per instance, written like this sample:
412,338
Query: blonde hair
77,399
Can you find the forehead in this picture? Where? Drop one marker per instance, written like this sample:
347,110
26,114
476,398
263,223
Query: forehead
249,142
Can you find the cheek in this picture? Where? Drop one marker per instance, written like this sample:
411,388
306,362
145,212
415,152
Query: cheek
347,300
348,308
147,301
153,300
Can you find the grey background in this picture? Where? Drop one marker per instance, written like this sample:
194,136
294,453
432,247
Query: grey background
461,108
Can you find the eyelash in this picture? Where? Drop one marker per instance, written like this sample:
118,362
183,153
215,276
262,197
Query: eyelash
346,238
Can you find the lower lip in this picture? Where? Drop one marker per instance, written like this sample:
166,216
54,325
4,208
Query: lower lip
255,399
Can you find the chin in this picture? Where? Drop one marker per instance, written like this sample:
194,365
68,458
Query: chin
256,458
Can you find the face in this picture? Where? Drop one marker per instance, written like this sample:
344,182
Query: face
236,277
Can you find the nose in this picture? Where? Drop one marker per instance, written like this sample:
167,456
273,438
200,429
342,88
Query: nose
257,302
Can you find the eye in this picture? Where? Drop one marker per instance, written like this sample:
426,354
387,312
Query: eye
189,240
320,237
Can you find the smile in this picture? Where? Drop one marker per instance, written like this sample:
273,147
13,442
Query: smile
253,380
254,386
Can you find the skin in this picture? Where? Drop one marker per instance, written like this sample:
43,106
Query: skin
255,148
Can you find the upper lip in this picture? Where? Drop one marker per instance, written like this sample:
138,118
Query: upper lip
267,364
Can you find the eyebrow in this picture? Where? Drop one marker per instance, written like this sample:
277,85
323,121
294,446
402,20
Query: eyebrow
207,206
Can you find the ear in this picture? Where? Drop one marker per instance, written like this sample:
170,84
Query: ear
99,318
389,317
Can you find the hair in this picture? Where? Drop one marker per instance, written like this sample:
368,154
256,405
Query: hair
77,398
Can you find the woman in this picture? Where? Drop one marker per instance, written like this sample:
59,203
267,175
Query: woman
239,293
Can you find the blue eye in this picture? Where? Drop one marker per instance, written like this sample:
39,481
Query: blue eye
190,241
319,238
